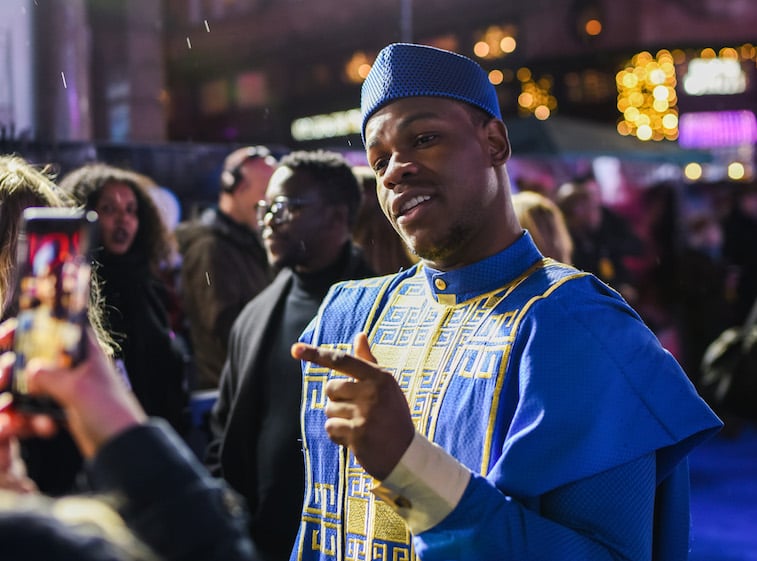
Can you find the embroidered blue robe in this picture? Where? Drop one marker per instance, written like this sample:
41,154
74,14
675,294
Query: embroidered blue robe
533,375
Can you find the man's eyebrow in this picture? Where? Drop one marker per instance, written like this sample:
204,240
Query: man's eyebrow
408,120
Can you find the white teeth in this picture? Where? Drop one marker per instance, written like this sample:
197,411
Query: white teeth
415,201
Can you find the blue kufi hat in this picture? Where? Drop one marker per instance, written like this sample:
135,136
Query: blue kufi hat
407,70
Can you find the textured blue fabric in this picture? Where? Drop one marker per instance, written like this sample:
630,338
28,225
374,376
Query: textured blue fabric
544,383
407,70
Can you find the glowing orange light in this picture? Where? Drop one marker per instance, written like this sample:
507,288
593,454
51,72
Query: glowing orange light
507,44
593,27
541,112
481,49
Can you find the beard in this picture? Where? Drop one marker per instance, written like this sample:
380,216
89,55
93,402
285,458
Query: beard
441,249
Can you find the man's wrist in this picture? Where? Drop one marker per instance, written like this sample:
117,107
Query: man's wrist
425,486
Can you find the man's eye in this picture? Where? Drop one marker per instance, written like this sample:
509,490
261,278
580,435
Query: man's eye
379,165
424,139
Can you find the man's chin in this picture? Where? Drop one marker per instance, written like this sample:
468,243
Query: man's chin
278,261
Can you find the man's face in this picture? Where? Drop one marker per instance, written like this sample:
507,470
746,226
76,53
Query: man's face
435,177
293,229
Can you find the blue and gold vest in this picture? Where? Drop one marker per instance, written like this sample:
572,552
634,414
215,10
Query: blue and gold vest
449,357
529,372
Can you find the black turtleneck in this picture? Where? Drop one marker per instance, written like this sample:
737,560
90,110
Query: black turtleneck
280,470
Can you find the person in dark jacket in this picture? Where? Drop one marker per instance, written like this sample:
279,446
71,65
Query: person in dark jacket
739,236
306,218
153,502
223,262
134,244
602,239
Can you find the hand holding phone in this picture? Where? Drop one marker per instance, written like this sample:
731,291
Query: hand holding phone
97,404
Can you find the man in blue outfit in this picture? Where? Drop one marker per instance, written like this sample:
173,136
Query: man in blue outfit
488,403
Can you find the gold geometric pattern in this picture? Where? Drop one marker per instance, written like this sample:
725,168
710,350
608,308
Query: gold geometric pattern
433,343
438,348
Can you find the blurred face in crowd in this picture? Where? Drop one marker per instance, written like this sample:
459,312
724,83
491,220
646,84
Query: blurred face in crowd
585,215
117,211
294,221
434,161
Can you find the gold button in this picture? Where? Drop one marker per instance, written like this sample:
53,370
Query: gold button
440,284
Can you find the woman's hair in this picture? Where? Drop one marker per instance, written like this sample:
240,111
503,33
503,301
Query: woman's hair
86,185
546,224
23,185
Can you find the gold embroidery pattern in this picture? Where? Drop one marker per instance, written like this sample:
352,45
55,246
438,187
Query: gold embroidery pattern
466,346
434,343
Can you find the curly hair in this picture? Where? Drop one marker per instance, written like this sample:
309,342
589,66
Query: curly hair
86,184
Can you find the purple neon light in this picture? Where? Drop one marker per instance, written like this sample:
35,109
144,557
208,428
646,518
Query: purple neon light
717,128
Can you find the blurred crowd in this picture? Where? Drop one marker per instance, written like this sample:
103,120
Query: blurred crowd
680,253
187,308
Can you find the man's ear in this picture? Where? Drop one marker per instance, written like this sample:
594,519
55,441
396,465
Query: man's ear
499,143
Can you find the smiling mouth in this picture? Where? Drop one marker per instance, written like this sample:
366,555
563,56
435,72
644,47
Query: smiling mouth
412,203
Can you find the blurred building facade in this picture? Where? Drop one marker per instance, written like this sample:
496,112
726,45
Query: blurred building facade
291,70
288,72
79,70
247,70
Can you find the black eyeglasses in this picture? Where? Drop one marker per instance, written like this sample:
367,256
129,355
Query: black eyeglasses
280,209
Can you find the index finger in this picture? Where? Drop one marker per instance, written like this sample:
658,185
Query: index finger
340,361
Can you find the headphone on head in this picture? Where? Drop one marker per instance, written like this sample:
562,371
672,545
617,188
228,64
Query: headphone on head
231,176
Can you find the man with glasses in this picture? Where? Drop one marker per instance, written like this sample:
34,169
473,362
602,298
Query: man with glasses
223,262
305,222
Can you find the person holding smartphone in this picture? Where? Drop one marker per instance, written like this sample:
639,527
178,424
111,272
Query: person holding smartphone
149,486
53,464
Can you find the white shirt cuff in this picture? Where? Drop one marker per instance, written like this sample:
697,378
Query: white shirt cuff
425,486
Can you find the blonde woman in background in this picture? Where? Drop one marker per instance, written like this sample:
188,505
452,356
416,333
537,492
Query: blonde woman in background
22,185
544,220
52,464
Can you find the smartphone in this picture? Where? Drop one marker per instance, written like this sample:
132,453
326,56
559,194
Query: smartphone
54,264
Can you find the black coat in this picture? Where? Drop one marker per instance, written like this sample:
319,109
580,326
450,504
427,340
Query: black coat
238,418
135,303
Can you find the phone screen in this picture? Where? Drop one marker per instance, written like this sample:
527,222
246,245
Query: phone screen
55,269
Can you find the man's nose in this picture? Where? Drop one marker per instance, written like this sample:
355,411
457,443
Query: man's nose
397,170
